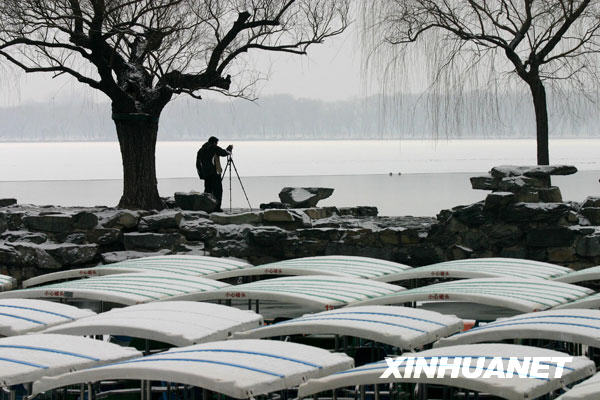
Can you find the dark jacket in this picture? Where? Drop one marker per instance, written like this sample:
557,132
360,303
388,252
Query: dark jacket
204,159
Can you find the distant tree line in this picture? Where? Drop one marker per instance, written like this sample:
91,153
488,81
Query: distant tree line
287,118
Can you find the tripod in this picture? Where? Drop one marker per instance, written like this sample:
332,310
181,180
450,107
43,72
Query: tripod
231,166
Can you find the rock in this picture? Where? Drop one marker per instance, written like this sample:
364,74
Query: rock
267,237
285,217
53,223
471,215
85,220
273,205
458,252
528,196
198,230
503,235
516,184
123,219
104,236
494,202
31,255
514,252
592,214
156,222
588,246
360,211
528,212
484,183
72,254
196,201
151,241
537,171
236,219
550,237
591,202
304,197
76,238
7,202
24,236
3,223
550,195
320,213
118,256
561,254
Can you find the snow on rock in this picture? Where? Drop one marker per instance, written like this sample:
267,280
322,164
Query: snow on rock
304,197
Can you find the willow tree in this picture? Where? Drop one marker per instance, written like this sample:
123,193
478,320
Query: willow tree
538,41
141,53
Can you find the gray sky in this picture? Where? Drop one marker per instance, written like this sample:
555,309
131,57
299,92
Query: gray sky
331,71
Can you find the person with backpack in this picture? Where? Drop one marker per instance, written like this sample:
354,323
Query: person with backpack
209,168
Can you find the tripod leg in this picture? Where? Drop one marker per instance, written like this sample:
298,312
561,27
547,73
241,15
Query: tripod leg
241,184
230,186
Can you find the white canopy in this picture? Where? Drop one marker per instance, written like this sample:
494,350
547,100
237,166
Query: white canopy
484,268
584,275
180,323
128,289
525,295
586,390
509,388
19,316
24,359
406,328
347,266
7,282
316,291
591,301
236,368
204,266
576,326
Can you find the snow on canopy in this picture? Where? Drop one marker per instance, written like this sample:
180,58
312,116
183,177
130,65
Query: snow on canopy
24,359
591,301
588,389
584,275
179,323
127,289
574,326
7,282
524,295
484,268
20,316
509,388
237,368
406,328
203,266
348,266
314,291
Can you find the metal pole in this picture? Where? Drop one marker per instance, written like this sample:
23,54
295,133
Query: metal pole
230,185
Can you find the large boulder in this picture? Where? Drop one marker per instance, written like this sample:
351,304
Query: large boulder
118,256
304,197
27,255
52,223
156,222
236,219
24,236
69,254
536,171
85,220
151,241
123,219
7,202
196,201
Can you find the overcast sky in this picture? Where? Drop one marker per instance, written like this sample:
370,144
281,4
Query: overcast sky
331,71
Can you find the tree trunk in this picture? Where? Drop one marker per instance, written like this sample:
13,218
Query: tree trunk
541,120
137,139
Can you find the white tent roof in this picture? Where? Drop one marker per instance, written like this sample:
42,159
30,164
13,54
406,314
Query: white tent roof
586,390
19,316
406,328
7,282
484,268
576,326
180,323
204,266
128,289
591,301
24,359
525,295
236,368
587,274
315,291
347,266
509,388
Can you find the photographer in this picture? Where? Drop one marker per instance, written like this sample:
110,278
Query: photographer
209,168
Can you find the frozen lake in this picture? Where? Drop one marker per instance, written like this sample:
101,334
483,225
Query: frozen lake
434,173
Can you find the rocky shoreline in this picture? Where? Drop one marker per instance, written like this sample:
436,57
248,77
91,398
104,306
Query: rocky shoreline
39,239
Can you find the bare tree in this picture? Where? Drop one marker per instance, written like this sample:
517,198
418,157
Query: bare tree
537,40
141,53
